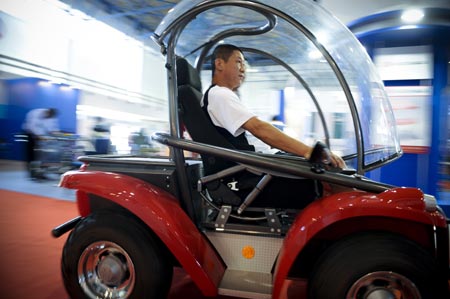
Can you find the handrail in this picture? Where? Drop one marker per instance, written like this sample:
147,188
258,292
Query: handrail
272,21
272,164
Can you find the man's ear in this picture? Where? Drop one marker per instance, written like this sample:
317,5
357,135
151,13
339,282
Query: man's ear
219,64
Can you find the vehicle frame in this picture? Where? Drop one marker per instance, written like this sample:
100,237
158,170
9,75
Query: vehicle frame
140,217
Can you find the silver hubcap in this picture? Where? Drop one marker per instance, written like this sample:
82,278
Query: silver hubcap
383,285
105,270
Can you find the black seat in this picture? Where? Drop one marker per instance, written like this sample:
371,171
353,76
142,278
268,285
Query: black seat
201,129
196,122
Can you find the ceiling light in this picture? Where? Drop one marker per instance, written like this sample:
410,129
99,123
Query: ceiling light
44,83
315,54
412,15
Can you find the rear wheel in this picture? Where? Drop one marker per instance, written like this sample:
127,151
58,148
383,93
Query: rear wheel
376,266
111,255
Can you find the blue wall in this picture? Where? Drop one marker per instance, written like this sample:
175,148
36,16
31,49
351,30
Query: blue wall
417,169
23,95
410,170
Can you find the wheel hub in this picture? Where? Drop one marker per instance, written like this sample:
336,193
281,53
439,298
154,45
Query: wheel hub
111,270
383,285
380,293
105,270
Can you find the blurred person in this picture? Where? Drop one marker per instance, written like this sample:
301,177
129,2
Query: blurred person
39,123
278,123
137,141
101,135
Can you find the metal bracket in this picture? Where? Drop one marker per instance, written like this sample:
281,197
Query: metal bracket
273,221
222,217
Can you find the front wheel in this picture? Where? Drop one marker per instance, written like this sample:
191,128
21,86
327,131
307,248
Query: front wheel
111,255
376,265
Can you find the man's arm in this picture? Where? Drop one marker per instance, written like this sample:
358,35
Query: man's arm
277,139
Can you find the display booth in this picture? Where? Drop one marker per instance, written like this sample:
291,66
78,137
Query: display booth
411,49
25,94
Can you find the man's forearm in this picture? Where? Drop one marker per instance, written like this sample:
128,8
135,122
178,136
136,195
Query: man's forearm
276,138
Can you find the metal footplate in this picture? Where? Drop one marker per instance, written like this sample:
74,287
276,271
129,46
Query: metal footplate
272,226
237,283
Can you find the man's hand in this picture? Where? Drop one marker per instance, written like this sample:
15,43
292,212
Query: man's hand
337,161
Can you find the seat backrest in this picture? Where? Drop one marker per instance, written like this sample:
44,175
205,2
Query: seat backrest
198,125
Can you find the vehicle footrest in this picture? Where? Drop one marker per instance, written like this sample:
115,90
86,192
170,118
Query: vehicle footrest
237,283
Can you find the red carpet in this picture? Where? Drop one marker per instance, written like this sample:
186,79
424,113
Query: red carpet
30,256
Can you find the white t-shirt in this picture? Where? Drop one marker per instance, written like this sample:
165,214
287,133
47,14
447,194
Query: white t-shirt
226,110
37,124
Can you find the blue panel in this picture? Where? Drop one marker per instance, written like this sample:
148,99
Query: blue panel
417,170
401,172
26,94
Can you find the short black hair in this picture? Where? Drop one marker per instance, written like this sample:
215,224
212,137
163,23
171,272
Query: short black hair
51,112
224,52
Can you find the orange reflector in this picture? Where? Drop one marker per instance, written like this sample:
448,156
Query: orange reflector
248,252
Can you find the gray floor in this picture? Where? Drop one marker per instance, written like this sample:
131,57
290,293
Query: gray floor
14,177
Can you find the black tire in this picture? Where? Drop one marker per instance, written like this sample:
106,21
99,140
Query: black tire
383,265
112,253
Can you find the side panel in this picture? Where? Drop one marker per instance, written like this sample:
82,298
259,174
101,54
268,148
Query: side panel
400,203
161,212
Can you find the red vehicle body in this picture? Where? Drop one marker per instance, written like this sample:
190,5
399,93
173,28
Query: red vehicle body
141,216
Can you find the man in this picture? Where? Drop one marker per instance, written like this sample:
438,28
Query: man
38,123
232,119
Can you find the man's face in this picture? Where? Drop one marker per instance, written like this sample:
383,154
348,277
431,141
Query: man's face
234,70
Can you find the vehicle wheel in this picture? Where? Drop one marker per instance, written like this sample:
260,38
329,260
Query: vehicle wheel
376,266
110,255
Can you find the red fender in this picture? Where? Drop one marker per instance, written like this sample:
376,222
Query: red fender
399,203
161,212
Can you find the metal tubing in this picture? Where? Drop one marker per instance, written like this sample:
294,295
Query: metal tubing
65,227
251,197
273,164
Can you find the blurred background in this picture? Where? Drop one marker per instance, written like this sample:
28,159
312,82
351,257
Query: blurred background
95,64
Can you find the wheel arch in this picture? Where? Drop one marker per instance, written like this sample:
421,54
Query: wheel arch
400,211
419,233
156,209
99,204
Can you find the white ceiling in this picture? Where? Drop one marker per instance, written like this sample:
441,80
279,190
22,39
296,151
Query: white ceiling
350,10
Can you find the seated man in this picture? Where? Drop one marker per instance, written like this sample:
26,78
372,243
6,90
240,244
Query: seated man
232,119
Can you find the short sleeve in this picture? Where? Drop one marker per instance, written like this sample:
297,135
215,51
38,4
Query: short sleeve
226,110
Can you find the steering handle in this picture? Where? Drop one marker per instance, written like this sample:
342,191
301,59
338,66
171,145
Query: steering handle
320,157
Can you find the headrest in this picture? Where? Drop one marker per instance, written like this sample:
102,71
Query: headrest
187,74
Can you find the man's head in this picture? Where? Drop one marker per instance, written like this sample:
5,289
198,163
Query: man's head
51,112
228,66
